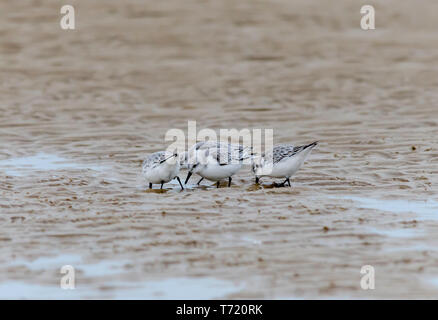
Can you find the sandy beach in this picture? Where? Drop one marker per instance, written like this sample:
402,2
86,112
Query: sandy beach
80,109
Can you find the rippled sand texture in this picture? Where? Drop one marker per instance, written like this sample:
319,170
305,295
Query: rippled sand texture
80,109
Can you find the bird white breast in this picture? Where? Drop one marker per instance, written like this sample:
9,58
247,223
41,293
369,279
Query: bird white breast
288,167
162,173
217,172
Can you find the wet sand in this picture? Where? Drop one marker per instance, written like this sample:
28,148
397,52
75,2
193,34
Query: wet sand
80,109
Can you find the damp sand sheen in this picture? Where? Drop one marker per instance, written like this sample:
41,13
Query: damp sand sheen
80,110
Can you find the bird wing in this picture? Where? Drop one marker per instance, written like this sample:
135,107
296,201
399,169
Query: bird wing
226,153
284,151
154,159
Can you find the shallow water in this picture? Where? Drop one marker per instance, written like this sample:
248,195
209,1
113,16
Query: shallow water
104,279
167,289
100,269
424,210
80,110
40,162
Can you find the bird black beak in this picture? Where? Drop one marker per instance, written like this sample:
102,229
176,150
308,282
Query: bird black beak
162,161
188,177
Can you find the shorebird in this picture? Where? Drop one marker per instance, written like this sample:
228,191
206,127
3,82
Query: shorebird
284,162
215,161
161,167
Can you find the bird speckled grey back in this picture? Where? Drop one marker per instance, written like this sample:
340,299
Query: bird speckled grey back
284,151
154,159
225,153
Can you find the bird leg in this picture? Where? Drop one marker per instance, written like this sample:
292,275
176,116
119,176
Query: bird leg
278,185
200,181
229,182
217,184
283,184
150,185
177,178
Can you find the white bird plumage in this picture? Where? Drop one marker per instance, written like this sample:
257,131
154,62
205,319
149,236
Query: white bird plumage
214,160
161,167
284,161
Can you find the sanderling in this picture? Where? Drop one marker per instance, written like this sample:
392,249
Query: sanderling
215,160
284,162
161,167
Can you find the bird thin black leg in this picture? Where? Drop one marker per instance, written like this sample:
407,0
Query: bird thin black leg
279,185
150,185
162,184
229,182
257,180
200,181
177,178
217,184
284,183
